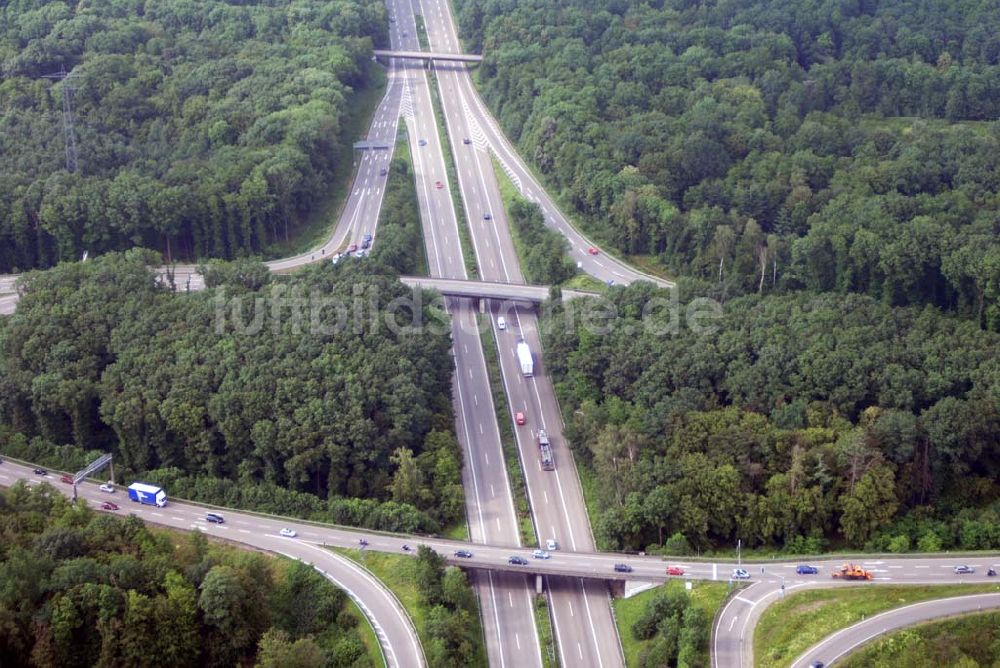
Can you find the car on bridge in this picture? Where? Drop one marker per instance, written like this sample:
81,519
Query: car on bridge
540,554
803,569
463,554
675,570
517,561
740,574
964,569
623,568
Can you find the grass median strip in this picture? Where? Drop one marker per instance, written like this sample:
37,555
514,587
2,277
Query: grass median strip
793,625
543,621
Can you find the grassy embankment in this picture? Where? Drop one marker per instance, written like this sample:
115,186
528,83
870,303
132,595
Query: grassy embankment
398,573
969,640
789,627
706,595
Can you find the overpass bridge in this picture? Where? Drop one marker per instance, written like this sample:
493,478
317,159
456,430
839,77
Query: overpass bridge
454,287
429,55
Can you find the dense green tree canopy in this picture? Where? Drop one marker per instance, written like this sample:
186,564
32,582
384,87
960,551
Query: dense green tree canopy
205,129
125,595
766,145
214,395
798,417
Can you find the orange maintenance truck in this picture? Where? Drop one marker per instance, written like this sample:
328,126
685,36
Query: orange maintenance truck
852,572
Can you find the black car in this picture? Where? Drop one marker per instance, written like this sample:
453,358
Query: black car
463,554
40,471
466,140
383,171
518,561
215,518
623,568
487,216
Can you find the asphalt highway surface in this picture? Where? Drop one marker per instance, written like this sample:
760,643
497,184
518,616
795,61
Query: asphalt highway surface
583,623
506,599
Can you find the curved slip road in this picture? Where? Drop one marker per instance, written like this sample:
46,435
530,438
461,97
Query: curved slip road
840,644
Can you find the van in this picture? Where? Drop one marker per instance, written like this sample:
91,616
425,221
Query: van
215,518
501,322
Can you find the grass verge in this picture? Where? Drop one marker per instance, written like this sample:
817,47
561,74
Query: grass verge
456,196
398,573
543,622
507,440
708,596
789,627
323,218
968,640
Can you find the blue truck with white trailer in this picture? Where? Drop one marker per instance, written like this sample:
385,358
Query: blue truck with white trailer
150,495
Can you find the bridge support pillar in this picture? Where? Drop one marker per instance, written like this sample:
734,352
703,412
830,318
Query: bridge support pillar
482,305
538,584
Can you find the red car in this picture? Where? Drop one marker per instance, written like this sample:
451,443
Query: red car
519,418
675,570
67,479
593,251
438,185
352,248
107,505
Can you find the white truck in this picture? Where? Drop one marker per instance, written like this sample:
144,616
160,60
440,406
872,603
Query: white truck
146,494
524,357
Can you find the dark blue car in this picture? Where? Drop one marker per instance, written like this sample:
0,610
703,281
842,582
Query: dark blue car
802,569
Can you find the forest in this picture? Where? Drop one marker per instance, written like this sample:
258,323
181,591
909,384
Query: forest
766,146
203,129
802,422
85,588
350,424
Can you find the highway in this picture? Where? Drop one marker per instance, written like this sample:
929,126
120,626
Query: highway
843,642
506,599
498,291
582,619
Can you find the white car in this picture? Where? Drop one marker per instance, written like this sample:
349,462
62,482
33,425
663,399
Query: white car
740,574
288,533
551,545
540,554
107,487
501,322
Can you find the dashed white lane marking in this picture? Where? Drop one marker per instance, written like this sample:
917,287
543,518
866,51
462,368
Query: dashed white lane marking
243,530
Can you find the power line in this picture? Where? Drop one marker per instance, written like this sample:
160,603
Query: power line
69,133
